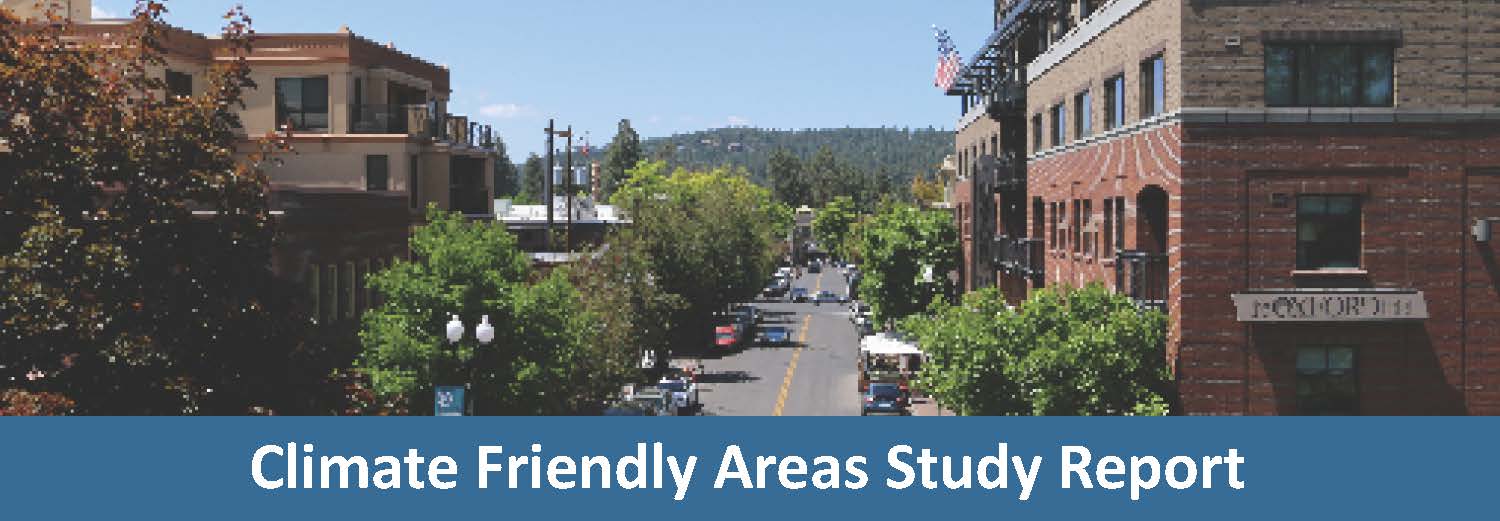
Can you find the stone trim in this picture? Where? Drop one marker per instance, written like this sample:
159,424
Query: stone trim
1334,36
1102,20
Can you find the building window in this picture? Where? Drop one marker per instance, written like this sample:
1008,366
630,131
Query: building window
1330,75
302,103
414,182
329,297
314,292
1076,227
1328,232
1087,8
1052,226
1108,238
377,173
1119,230
1083,112
179,84
1089,230
1059,125
1114,101
1153,86
1036,133
1326,383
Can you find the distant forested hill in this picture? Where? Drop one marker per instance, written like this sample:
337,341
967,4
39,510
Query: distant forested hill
898,152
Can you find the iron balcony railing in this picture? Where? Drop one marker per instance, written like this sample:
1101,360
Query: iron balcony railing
414,120
1142,276
1007,100
1021,256
1010,171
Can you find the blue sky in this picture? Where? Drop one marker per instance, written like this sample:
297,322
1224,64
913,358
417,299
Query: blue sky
668,65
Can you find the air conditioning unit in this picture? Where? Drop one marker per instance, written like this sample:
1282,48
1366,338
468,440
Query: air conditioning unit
1482,230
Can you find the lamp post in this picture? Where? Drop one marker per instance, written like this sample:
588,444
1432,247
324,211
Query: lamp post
553,132
454,332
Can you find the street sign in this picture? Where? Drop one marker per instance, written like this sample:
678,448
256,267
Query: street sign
448,400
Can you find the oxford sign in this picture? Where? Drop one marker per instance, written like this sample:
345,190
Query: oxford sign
1329,305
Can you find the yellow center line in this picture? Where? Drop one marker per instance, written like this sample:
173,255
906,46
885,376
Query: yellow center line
791,368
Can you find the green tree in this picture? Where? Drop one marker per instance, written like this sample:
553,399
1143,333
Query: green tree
906,256
710,238
546,357
787,181
506,183
533,179
1071,352
832,222
623,154
156,297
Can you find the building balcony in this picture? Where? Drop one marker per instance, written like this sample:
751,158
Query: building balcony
412,120
1142,276
1007,101
1010,171
1021,256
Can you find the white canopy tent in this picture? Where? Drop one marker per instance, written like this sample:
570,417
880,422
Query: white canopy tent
883,344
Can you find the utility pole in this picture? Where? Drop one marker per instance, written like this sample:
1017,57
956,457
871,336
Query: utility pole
569,187
551,131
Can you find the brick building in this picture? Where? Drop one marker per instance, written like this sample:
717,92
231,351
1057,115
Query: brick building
1303,186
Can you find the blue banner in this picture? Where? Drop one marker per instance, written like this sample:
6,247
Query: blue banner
747,468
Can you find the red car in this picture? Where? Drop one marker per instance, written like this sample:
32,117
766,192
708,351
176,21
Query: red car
725,337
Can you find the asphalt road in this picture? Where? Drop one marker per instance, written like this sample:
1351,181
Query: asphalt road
814,376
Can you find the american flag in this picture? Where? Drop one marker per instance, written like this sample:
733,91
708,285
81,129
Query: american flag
948,63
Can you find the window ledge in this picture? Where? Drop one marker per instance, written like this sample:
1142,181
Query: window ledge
1331,272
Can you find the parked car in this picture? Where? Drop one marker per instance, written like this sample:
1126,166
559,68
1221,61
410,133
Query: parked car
683,394
725,337
747,314
884,398
775,335
798,295
814,267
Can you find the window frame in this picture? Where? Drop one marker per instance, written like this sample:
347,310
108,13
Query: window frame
1304,260
1036,130
1153,85
1301,51
1059,129
1114,89
285,113
371,161
1083,107
1321,377
173,83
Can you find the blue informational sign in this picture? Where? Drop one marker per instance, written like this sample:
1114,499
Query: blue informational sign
448,400
721,468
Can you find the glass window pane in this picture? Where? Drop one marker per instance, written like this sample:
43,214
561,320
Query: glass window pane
1158,85
1312,205
1279,88
1341,358
315,94
1337,74
1119,101
1340,205
1379,71
1312,359
289,93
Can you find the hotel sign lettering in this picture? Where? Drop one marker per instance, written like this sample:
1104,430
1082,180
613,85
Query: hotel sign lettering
1352,306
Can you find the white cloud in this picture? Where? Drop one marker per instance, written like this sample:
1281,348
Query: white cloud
504,110
737,121
100,13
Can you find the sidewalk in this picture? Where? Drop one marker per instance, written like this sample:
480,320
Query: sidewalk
925,406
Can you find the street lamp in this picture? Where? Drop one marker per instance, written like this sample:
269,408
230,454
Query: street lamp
454,332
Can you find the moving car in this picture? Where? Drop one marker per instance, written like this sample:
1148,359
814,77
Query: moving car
884,398
827,296
798,295
775,335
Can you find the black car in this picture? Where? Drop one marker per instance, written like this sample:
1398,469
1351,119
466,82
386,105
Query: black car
884,398
815,268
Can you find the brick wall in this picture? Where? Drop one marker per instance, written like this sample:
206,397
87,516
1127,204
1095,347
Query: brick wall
1450,53
1416,185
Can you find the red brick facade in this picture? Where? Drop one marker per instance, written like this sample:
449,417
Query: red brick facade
1206,181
